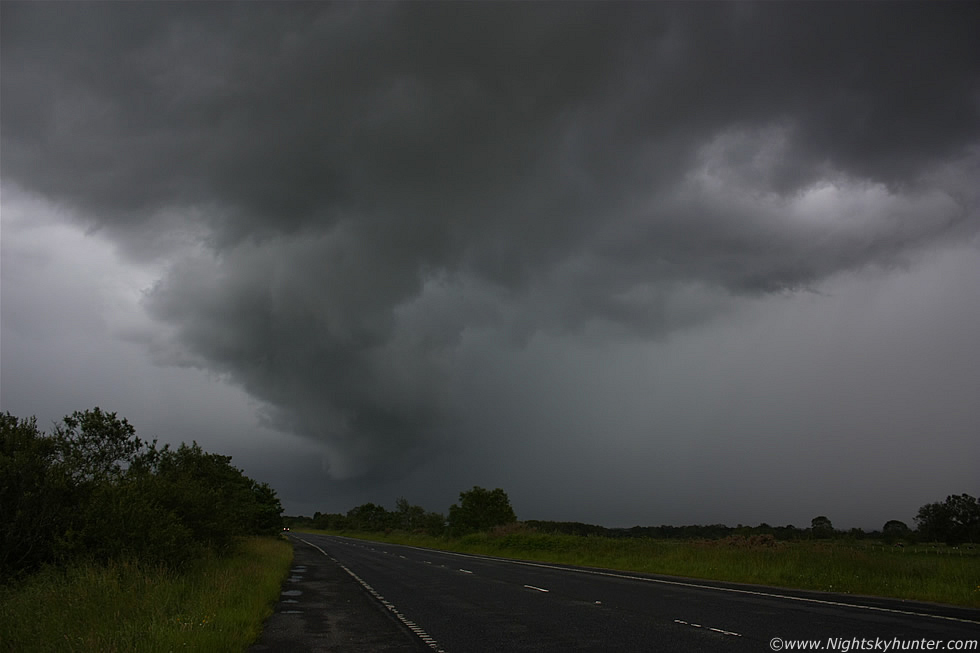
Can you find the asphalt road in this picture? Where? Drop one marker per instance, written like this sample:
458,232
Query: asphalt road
468,604
323,608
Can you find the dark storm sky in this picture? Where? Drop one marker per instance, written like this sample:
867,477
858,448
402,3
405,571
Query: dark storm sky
634,263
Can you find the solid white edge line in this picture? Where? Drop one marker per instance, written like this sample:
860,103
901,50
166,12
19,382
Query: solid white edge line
662,581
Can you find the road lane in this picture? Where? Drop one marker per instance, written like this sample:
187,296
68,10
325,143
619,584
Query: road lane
472,603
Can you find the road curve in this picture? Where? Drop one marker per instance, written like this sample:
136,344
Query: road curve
458,603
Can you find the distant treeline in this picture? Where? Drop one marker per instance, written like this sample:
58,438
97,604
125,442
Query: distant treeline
93,491
954,521
694,532
478,509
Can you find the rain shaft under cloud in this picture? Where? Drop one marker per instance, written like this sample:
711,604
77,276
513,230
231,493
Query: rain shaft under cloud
360,212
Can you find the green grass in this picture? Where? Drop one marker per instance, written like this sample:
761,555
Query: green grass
217,605
851,567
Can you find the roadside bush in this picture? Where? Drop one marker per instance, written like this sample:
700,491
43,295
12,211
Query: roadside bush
125,521
93,491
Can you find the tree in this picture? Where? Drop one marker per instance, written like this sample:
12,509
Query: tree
96,445
821,527
479,510
954,521
214,499
267,518
35,496
331,521
895,530
408,517
434,523
368,517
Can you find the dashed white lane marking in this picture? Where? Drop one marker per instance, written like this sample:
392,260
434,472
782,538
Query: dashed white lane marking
421,634
717,630
540,589
466,571
732,590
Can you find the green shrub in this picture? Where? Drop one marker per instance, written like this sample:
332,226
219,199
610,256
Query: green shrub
93,491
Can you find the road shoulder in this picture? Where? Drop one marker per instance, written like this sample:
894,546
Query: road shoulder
321,608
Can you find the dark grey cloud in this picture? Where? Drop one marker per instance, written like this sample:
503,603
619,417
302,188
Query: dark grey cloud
352,198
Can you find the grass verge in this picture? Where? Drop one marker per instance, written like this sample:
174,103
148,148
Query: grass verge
950,577
218,604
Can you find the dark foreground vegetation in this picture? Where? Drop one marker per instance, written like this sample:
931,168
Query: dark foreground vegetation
107,540
937,561
216,603
92,491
